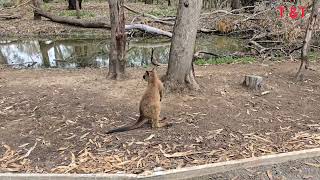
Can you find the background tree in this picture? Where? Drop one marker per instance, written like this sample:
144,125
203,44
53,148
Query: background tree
72,4
235,4
148,1
2,58
180,73
44,53
36,4
250,3
306,43
117,55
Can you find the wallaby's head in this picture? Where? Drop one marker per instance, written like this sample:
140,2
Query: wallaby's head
149,75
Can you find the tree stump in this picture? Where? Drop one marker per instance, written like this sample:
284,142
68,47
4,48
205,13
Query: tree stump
253,82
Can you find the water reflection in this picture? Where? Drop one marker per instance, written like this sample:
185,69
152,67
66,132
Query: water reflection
76,53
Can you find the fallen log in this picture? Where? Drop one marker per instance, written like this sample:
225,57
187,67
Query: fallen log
148,29
71,21
208,55
9,16
100,24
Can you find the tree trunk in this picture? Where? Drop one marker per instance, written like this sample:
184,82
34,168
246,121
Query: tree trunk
2,58
306,43
250,3
72,4
44,53
117,55
148,1
180,73
235,4
77,9
37,4
169,2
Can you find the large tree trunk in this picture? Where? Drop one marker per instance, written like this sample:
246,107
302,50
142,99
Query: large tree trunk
117,55
306,43
180,73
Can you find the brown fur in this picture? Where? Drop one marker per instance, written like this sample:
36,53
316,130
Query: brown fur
149,105
224,26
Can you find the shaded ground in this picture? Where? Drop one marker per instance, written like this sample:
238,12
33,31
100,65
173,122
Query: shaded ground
292,170
54,120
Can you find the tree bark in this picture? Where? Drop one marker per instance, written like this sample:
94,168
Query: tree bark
306,43
250,3
78,9
37,4
148,1
180,73
117,55
235,4
44,54
2,58
72,4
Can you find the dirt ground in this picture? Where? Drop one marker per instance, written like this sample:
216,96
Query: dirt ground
55,120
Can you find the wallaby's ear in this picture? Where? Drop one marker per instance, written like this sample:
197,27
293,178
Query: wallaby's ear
147,72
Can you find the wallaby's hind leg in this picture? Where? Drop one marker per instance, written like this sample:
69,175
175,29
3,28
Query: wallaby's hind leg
157,124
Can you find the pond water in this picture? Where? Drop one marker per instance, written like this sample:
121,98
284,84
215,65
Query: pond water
77,53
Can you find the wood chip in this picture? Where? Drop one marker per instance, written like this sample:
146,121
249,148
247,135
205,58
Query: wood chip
150,137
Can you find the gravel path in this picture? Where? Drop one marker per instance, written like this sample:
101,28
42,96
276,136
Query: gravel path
308,169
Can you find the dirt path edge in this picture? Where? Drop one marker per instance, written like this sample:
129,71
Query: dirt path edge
183,173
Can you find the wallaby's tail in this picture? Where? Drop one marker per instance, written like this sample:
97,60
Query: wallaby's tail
138,124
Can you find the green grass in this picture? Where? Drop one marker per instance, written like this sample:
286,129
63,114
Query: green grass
162,11
314,56
84,14
225,60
